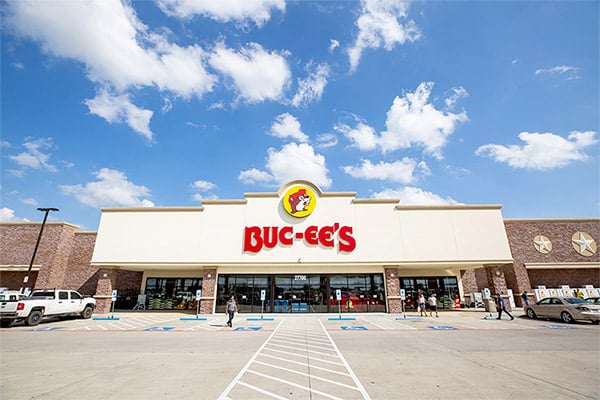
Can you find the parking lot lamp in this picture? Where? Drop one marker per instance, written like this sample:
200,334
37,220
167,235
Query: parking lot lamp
46,212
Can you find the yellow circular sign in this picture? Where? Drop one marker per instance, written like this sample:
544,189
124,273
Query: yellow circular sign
299,201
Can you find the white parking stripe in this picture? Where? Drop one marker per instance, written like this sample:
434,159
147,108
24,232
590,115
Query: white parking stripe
304,356
225,393
305,374
295,385
363,391
331,371
259,390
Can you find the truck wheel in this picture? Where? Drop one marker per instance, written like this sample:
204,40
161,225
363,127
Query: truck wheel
87,312
34,318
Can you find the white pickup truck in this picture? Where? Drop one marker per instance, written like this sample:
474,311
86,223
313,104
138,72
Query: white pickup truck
46,303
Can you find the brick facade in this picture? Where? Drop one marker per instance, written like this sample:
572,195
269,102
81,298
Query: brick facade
64,260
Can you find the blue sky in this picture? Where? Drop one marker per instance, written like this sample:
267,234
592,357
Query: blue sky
168,102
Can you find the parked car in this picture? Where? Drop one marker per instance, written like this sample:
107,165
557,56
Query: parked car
568,309
593,300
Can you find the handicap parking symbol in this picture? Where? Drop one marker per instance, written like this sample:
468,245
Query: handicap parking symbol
557,327
354,328
160,328
248,328
50,328
442,328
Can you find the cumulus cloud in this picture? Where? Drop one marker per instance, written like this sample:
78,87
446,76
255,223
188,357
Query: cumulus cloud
379,26
286,125
311,88
570,73
204,190
35,156
240,11
8,215
402,171
293,161
258,75
541,151
412,120
414,196
362,136
117,49
112,189
120,109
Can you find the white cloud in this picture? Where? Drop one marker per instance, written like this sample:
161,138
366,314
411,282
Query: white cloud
112,189
254,175
35,157
120,109
411,120
293,161
8,215
333,44
113,43
30,202
457,93
203,185
258,75
542,151
569,72
379,26
241,11
402,171
414,196
286,125
311,88
326,140
362,136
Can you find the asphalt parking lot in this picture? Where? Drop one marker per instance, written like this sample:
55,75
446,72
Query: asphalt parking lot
316,356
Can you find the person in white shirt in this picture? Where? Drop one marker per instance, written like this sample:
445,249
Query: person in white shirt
432,305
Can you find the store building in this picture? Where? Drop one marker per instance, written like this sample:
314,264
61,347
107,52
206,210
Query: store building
299,246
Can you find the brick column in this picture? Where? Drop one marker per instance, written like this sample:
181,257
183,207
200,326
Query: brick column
107,279
392,289
209,284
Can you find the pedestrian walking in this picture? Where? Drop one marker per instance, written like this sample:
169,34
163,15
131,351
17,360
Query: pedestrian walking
230,310
501,306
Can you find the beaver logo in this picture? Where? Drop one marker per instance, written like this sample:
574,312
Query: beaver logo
299,202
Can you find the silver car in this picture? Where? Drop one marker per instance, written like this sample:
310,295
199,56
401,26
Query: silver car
568,309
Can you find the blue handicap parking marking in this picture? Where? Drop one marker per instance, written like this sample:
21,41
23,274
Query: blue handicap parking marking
248,328
558,327
443,328
354,328
50,328
160,328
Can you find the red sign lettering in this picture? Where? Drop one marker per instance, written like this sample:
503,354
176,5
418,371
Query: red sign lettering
255,237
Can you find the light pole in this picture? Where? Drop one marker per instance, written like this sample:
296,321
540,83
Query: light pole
46,211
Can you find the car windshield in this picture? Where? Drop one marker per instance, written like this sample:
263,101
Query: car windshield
573,300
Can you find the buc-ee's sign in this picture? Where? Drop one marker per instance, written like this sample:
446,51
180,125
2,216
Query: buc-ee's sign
299,202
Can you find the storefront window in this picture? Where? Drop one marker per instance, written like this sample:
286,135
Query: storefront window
172,293
302,293
445,288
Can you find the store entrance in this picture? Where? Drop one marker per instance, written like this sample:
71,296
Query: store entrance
303,293
445,288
